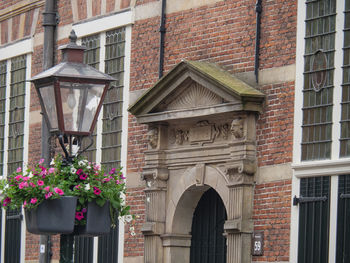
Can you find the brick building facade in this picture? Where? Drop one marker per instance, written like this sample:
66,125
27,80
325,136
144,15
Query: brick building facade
221,34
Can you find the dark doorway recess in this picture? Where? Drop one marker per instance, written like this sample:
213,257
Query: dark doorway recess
208,245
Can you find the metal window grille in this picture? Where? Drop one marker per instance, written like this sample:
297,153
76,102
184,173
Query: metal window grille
343,220
3,73
318,79
314,220
13,236
16,113
345,104
83,249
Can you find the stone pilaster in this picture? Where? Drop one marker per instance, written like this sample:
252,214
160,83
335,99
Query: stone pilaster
155,174
239,225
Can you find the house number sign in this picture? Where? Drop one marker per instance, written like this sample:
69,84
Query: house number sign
258,243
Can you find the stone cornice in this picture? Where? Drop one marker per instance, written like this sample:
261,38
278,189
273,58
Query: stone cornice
20,8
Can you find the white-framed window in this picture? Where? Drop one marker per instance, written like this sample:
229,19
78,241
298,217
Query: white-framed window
321,150
108,47
15,70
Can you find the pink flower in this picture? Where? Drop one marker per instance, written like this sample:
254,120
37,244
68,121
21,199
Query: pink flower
83,210
122,176
19,169
23,185
18,177
40,183
97,191
79,171
25,178
47,188
25,203
41,161
33,200
58,191
83,176
112,171
79,215
32,184
106,179
48,195
6,201
77,187
43,171
96,167
51,170
117,182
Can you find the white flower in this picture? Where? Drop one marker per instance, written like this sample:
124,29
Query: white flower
88,167
87,187
83,162
73,170
30,174
128,218
52,162
133,233
132,228
6,186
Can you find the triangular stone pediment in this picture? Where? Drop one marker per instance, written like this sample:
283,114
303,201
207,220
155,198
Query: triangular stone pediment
191,96
193,89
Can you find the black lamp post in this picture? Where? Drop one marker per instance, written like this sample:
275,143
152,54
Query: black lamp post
71,96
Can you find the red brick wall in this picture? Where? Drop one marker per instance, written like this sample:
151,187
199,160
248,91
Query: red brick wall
272,216
134,244
275,125
278,33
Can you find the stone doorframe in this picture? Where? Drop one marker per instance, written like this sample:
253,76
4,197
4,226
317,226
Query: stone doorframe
202,133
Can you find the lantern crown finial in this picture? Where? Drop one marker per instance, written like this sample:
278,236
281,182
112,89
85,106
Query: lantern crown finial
72,52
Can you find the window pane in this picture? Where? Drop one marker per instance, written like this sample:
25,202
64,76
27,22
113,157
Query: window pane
345,108
92,58
112,127
318,79
3,71
113,104
17,108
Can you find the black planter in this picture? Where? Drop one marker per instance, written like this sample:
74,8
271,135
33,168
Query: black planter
98,221
52,216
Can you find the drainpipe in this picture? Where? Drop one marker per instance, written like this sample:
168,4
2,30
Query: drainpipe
49,24
258,10
162,35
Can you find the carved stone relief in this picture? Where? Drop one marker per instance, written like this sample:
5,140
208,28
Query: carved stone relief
237,130
204,132
153,137
194,96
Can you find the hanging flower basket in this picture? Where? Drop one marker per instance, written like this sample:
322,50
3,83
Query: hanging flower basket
52,216
98,221
58,197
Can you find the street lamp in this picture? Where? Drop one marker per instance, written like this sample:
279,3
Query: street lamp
71,96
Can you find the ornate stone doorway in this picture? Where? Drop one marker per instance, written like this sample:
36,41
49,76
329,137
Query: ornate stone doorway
202,134
208,243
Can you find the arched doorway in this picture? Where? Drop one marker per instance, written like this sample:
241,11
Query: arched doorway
208,243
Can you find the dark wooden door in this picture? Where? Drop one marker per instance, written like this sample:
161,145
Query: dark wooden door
208,245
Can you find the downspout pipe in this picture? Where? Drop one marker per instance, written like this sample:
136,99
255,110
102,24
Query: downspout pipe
258,10
49,24
162,31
